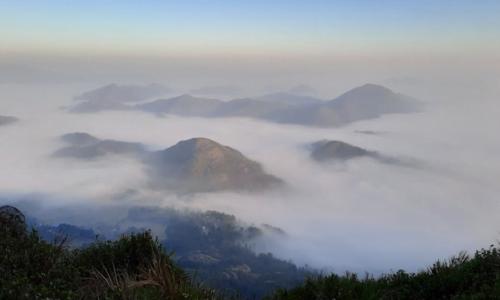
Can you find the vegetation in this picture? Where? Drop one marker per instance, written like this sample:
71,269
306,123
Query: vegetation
220,249
137,266
459,278
132,267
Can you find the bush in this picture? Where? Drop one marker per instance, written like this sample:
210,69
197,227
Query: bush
460,277
132,267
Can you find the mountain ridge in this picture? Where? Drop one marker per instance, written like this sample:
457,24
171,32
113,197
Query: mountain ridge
361,103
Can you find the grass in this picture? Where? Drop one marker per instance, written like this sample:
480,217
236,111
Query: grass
135,266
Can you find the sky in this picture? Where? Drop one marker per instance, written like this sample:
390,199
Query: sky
189,28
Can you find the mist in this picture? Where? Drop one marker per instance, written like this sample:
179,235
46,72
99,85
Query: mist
358,215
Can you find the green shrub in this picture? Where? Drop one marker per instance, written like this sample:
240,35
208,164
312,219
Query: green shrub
460,277
132,267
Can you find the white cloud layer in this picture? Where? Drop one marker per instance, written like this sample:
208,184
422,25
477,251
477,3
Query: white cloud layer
360,215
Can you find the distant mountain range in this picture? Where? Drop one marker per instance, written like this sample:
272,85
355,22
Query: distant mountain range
290,98
231,90
184,106
4,120
124,93
195,165
365,102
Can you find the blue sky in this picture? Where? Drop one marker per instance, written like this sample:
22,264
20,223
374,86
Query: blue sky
250,27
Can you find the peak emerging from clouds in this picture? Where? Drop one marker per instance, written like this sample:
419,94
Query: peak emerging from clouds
336,150
231,90
124,93
200,164
194,165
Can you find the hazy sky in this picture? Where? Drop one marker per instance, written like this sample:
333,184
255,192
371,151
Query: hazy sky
251,28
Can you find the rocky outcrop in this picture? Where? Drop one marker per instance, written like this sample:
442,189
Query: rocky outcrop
13,218
244,268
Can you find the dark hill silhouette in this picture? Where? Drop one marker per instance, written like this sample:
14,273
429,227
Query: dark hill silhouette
4,120
231,90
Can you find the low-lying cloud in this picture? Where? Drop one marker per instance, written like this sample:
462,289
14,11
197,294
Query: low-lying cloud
357,215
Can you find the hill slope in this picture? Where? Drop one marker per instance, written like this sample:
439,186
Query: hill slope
200,164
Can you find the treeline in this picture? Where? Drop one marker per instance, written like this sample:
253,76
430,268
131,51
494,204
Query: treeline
219,249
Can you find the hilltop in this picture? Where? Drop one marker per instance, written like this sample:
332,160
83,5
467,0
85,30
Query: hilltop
200,164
